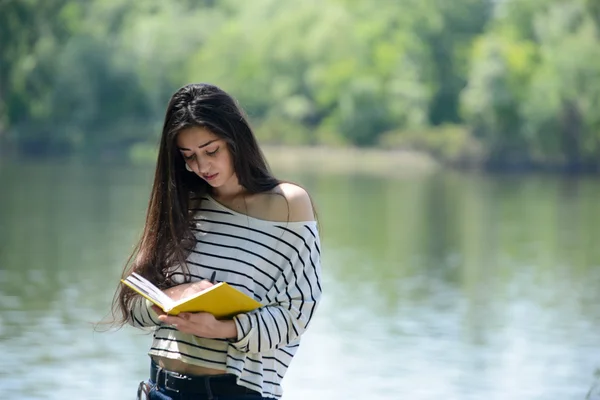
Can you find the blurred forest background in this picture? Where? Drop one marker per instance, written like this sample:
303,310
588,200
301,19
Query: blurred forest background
497,84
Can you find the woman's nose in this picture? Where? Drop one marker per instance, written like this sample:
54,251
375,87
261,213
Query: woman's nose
203,166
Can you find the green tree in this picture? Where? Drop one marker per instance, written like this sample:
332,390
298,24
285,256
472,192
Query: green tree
534,82
30,33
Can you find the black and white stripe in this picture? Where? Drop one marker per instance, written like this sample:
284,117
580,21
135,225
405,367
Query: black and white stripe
278,264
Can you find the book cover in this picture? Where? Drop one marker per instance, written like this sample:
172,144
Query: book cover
221,300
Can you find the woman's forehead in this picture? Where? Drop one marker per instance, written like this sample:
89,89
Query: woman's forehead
194,137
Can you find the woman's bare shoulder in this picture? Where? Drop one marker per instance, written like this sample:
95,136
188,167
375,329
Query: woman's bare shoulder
290,202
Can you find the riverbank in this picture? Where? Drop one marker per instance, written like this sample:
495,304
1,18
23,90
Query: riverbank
349,160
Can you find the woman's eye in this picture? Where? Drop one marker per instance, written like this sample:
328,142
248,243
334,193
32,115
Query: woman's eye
187,158
212,153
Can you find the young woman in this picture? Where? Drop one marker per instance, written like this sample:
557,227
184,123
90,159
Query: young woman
215,208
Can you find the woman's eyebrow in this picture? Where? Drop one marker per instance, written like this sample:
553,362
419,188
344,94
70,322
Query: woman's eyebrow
201,146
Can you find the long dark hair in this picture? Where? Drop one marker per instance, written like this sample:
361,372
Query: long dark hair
167,232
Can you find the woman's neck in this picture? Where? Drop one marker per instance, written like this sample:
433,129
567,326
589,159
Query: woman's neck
228,191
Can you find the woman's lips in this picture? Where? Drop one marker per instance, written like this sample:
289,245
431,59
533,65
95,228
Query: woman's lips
210,177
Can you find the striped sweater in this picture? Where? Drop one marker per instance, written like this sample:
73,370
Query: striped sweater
278,264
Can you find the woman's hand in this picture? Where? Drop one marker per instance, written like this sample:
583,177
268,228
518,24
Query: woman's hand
200,324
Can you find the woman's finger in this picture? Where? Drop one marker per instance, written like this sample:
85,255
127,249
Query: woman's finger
169,319
158,310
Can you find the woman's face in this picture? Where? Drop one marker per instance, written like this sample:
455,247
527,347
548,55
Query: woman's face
207,155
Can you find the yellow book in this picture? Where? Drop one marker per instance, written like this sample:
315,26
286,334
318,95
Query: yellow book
221,300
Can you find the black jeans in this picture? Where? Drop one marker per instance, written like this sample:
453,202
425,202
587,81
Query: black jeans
156,393
174,386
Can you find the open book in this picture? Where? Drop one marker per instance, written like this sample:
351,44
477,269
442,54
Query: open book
221,300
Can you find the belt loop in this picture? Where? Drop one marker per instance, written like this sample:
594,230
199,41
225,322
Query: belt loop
154,367
157,377
209,393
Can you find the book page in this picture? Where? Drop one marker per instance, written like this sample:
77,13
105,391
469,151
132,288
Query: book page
195,295
150,290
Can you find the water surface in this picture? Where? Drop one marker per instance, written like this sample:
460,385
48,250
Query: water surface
438,286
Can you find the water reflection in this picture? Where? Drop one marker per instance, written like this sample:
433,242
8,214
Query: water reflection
440,286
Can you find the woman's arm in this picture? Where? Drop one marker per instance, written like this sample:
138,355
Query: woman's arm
270,326
142,314
285,321
287,318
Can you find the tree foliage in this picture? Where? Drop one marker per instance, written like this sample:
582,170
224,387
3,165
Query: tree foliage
520,78
534,86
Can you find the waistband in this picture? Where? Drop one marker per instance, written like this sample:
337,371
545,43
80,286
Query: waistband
208,385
